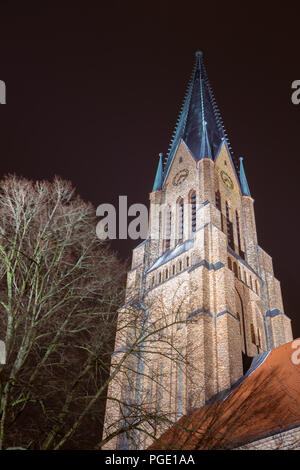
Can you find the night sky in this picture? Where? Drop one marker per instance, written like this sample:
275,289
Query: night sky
93,94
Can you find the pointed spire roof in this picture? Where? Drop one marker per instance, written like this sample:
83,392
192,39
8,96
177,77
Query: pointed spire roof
199,123
243,180
159,175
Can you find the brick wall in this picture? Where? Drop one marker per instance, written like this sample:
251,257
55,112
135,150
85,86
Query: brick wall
285,440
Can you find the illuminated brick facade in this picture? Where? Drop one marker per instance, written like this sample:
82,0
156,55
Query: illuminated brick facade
202,262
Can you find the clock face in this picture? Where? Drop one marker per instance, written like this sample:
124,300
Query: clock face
226,180
180,177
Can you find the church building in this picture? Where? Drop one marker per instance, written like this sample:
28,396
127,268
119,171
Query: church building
200,280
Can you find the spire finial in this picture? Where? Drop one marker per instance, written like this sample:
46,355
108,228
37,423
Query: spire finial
199,54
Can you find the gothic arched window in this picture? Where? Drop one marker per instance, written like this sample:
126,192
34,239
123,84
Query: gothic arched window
237,218
193,210
219,206
229,227
229,263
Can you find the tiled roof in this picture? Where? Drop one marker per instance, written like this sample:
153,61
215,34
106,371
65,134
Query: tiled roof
267,401
169,255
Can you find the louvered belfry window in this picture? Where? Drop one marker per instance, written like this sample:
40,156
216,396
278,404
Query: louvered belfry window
229,228
238,230
193,211
219,206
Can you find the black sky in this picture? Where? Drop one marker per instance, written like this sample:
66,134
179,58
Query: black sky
93,93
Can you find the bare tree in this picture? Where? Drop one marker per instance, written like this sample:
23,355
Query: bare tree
60,288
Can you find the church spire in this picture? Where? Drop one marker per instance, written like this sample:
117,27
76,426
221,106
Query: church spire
159,175
199,123
243,180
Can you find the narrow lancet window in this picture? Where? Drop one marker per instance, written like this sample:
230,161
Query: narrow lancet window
219,206
193,211
180,221
229,228
253,339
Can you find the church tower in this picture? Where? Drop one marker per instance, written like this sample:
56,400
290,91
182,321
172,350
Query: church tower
200,279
